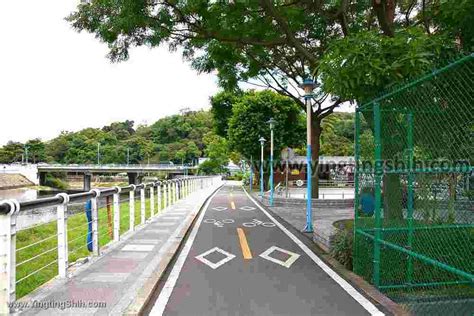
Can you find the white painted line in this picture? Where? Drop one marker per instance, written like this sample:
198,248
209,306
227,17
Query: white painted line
287,264
171,217
164,224
228,221
140,248
247,208
219,208
165,294
209,220
249,224
219,263
336,277
268,224
106,277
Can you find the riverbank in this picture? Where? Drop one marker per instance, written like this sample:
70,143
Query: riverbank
14,181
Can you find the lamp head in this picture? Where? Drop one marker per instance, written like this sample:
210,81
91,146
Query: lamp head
308,86
272,122
262,141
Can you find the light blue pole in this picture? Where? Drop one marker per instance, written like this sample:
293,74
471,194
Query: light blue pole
272,125
262,141
308,85
251,173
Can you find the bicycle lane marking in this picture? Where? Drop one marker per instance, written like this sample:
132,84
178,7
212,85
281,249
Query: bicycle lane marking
364,302
167,290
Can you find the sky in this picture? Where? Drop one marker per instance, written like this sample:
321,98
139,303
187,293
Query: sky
53,78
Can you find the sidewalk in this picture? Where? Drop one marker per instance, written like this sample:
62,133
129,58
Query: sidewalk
323,219
122,278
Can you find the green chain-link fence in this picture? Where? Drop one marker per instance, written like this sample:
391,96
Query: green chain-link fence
414,209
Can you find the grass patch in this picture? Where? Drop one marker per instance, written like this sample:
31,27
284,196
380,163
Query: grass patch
37,246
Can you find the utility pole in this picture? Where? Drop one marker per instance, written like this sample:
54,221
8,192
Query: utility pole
26,154
128,155
98,153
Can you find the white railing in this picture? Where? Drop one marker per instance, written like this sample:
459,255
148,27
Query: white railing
161,195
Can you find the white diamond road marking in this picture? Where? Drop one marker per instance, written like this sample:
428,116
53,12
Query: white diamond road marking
247,208
268,224
216,265
209,220
228,221
140,248
219,208
287,264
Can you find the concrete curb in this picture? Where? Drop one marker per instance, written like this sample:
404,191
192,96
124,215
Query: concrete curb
145,293
387,305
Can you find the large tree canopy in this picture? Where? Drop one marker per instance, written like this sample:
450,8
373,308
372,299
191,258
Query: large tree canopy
275,44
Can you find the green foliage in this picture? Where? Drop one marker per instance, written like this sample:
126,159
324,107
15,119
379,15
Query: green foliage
248,123
341,247
54,182
211,166
221,110
362,65
175,138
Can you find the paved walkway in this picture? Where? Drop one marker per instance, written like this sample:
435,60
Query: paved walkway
123,277
238,260
323,220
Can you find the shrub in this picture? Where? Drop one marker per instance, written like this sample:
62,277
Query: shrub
342,247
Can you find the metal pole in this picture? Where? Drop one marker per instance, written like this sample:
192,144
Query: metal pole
95,222
62,235
98,153
132,208
117,214
251,173
287,167
309,211
152,200
271,166
142,204
128,155
356,257
158,188
378,194
410,195
26,154
8,257
261,171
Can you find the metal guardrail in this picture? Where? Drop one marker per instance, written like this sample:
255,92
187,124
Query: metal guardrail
46,167
166,193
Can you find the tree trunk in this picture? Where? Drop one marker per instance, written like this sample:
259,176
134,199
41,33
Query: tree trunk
385,11
316,147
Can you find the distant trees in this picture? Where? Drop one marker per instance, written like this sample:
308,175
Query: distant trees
177,138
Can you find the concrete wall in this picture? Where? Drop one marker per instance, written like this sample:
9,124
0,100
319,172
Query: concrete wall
29,171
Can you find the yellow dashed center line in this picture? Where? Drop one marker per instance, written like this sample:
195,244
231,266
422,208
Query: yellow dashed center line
244,244
232,205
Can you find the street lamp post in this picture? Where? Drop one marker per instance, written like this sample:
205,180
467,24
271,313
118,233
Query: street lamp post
308,86
251,173
272,126
262,142
98,153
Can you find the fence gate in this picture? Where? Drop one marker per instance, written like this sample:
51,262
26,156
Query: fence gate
414,204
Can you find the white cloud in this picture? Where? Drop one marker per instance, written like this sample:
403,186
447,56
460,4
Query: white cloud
54,79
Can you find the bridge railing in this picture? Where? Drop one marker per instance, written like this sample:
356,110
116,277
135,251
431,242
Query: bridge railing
113,166
31,257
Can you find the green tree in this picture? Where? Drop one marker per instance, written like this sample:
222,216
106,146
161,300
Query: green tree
36,150
248,124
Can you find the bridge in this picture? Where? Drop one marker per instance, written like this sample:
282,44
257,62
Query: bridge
134,172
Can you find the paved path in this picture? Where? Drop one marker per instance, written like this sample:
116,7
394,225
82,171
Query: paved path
238,260
121,277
